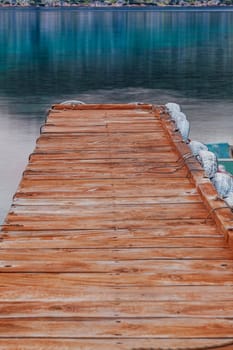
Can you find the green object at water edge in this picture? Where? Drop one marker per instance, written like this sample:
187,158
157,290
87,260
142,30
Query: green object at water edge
228,164
222,150
224,154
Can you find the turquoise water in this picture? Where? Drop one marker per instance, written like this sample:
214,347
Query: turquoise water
47,56
52,53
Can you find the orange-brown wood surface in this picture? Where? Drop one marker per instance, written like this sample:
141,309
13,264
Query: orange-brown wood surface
113,240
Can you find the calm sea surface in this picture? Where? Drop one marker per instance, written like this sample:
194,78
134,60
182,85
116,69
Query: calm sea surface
48,56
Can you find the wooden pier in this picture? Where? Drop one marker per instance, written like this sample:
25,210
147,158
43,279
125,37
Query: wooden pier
115,241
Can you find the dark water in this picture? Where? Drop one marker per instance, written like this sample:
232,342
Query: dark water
47,56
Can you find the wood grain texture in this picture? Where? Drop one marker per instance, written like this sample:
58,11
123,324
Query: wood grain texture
73,287
110,242
134,254
113,344
116,309
107,328
43,239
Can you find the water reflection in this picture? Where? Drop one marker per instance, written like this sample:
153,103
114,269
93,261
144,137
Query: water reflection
57,51
103,56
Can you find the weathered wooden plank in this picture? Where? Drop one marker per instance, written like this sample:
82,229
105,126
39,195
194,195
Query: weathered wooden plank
75,137
131,328
74,287
105,115
127,277
123,123
66,128
106,174
116,148
113,344
114,216
171,230
119,216
104,188
151,164
72,240
85,163
48,194
32,222
136,254
114,170
96,141
152,211
165,155
186,198
98,175
111,108
120,125
161,228
164,182
66,263
149,126
104,127
117,309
